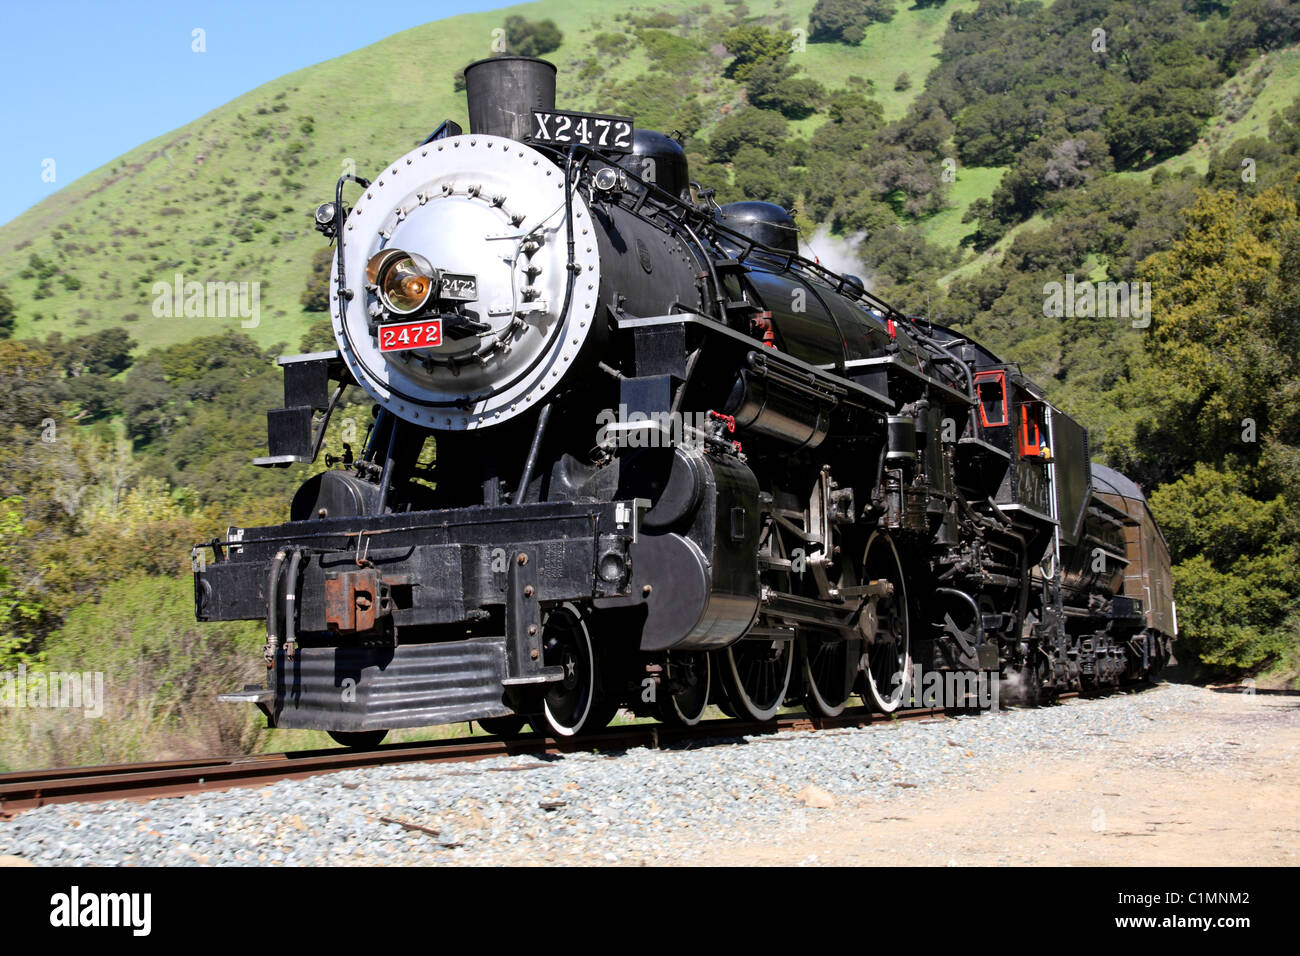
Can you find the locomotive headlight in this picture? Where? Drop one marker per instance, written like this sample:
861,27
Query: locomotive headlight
326,213
327,219
404,280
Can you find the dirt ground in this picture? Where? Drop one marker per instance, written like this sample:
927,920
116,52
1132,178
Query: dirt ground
1132,803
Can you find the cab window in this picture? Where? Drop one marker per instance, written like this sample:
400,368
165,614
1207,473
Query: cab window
992,389
1033,432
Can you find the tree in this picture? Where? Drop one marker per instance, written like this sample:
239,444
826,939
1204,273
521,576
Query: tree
751,45
1219,399
748,127
773,86
895,255
1260,25
909,183
318,338
669,52
150,406
32,389
760,176
316,296
106,352
532,37
846,21
20,603
1224,344
1161,117
1236,571
7,314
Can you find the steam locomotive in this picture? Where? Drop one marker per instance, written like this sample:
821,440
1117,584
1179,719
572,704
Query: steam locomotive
631,449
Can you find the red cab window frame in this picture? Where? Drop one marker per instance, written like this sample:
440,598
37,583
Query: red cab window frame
1031,429
1000,377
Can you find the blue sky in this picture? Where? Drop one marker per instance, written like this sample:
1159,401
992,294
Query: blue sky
84,81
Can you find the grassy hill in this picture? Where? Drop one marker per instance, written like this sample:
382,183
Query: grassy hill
228,197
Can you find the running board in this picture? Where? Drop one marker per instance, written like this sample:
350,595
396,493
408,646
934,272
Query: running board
251,694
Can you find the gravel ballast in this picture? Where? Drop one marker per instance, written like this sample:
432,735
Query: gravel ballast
631,807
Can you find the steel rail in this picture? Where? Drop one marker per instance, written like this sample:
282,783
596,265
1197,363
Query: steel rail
26,790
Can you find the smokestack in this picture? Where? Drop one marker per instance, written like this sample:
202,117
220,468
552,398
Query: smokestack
504,90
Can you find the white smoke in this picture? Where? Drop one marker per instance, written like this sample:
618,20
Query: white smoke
837,253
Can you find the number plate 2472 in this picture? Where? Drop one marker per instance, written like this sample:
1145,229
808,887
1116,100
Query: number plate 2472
612,134
410,335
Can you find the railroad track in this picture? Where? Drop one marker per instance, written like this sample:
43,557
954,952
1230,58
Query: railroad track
24,790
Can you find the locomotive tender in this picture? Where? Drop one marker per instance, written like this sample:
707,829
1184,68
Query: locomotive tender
632,450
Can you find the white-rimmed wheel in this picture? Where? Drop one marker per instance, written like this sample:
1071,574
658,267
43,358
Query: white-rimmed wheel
756,676
685,696
571,705
832,662
883,622
830,670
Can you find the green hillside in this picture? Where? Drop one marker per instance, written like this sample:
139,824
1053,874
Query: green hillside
228,197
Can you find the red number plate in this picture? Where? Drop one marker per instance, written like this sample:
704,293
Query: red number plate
411,335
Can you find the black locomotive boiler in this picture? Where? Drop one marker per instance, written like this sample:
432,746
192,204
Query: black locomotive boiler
632,450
